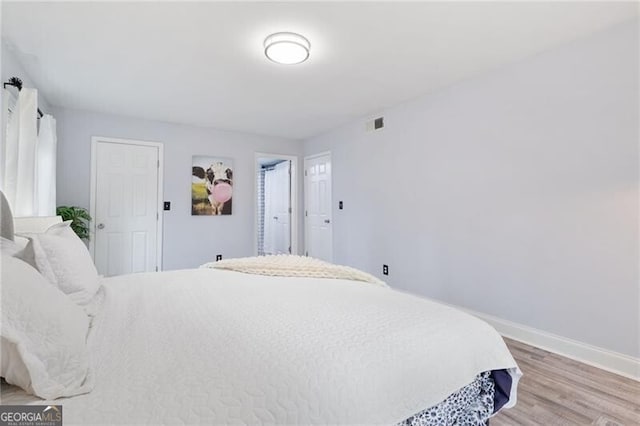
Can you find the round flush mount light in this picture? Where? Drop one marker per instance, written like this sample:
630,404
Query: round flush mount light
287,48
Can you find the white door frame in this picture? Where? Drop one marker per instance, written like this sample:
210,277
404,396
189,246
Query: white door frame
306,226
294,198
92,202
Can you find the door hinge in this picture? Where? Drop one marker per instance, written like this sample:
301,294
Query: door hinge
157,216
305,213
158,164
305,172
290,210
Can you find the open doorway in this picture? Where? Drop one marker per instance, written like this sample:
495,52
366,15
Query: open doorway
276,205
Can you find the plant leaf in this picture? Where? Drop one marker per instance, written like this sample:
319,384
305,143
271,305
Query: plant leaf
79,218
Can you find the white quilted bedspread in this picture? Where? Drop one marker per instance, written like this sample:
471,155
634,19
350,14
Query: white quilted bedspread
209,346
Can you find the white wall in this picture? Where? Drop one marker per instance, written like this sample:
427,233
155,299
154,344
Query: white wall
11,67
189,240
514,193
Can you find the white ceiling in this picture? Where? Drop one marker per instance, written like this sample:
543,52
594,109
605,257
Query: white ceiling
202,63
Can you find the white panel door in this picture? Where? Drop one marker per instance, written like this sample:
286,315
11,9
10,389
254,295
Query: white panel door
126,208
269,245
282,208
318,226
277,193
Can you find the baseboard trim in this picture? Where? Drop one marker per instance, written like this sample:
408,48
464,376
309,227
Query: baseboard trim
605,359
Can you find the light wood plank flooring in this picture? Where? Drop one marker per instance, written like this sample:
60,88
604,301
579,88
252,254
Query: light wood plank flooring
560,391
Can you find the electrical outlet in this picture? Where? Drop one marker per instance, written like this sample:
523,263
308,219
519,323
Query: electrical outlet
385,269
218,257
167,205
340,205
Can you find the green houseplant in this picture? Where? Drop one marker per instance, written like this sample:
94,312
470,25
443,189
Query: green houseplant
79,218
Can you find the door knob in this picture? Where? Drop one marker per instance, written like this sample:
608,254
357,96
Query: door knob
327,221
101,226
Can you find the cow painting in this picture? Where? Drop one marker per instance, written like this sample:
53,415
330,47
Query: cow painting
211,186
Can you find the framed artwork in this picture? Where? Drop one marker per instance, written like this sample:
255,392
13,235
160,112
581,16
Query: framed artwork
211,186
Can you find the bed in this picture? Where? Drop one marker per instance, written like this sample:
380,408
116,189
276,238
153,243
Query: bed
212,346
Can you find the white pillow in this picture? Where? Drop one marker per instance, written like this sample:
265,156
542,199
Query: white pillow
13,248
63,259
44,334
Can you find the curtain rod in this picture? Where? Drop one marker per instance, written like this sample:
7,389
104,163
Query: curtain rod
16,82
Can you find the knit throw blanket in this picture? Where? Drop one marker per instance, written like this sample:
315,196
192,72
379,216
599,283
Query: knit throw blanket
285,265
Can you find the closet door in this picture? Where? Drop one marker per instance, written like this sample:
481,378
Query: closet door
317,203
126,213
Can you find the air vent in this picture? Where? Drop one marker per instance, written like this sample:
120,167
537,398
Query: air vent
375,124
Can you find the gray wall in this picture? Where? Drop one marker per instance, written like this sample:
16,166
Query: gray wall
514,193
189,240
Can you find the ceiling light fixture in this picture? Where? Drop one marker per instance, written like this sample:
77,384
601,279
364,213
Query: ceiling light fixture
287,48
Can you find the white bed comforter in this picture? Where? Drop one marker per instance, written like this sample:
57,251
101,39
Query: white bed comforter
209,346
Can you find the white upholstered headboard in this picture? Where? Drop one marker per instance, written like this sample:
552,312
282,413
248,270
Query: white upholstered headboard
6,219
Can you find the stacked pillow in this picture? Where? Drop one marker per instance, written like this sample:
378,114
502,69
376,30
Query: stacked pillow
13,248
44,334
63,259
47,285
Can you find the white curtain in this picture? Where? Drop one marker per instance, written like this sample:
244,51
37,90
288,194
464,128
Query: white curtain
28,162
46,167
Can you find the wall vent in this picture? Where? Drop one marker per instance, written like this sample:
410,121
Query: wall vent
375,124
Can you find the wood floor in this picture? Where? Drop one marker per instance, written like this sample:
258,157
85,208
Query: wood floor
560,391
